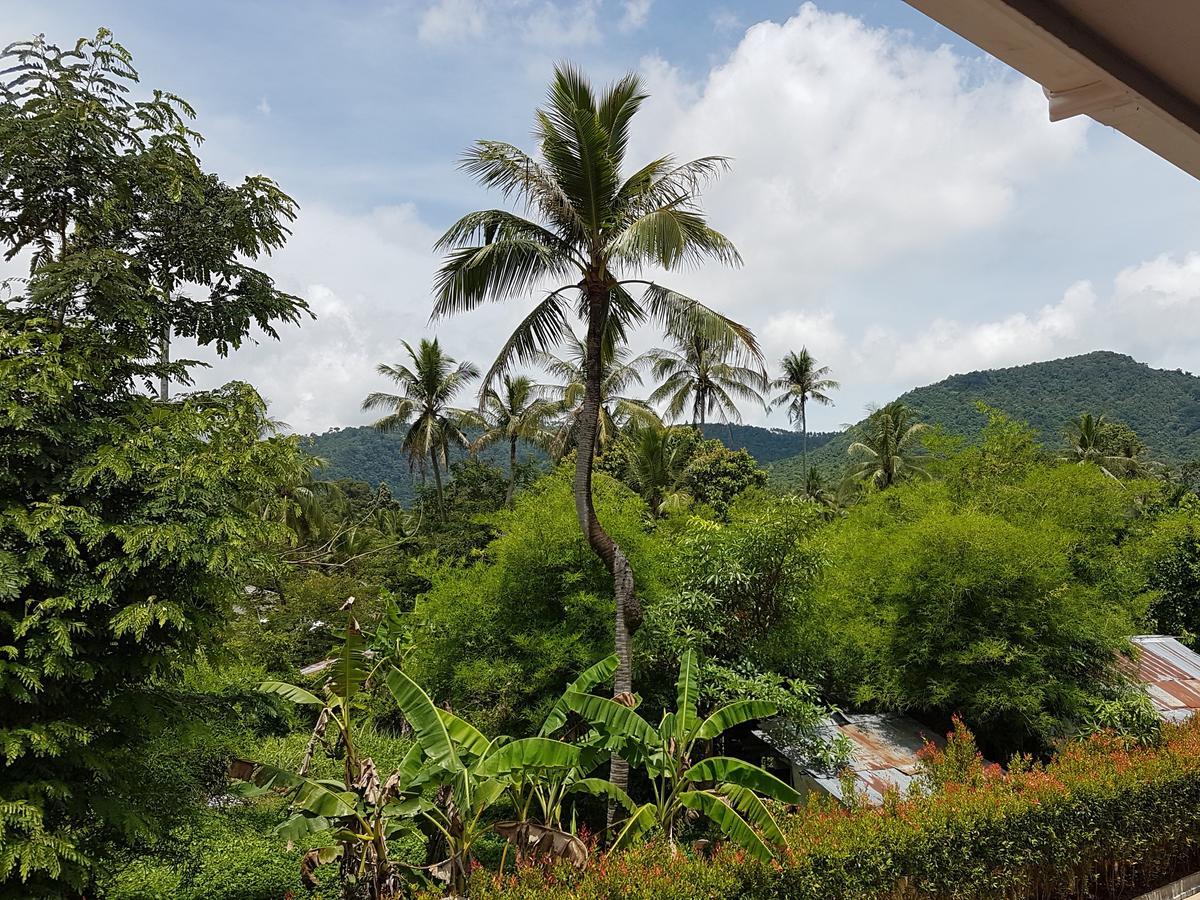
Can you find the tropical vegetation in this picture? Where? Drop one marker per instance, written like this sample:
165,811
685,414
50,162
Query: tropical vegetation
228,670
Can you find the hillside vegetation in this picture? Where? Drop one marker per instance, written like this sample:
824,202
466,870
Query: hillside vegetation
1162,406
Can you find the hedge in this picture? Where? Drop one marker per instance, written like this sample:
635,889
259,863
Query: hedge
1101,820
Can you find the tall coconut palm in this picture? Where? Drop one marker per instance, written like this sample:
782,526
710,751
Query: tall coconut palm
620,371
888,445
802,380
1087,445
590,229
428,386
704,376
514,413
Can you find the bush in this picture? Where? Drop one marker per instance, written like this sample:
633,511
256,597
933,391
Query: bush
1098,822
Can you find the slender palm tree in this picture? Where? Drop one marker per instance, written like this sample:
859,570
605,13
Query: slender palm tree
515,413
428,386
888,445
1087,445
589,230
802,380
620,371
705,376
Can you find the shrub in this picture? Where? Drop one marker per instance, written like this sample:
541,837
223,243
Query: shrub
1097,822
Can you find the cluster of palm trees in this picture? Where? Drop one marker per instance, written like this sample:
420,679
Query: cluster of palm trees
699,379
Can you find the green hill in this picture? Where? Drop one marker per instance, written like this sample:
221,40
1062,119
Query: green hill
766,445
361,453
1162,406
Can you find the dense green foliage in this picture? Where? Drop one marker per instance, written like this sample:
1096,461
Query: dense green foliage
223,676
127,527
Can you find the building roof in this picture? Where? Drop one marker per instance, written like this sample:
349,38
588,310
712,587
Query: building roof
1131,65
1170,673
884,748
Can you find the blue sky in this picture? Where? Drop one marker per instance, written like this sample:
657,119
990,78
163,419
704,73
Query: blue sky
902,203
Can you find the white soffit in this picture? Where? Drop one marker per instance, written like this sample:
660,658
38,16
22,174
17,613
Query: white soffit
1131,64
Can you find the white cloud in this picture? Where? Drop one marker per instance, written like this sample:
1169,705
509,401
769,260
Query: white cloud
264,107
851,146
448,21
635,14
551,26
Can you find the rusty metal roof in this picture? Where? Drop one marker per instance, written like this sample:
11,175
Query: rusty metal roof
883,749
1170,673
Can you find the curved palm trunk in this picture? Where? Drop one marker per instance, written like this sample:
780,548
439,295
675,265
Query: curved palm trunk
437,481
628,611
512,471
804,445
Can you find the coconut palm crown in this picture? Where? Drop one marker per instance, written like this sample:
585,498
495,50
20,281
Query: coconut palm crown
702,376
428,386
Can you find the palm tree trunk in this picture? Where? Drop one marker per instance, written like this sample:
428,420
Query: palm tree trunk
628,612
437,481
804,446
512,471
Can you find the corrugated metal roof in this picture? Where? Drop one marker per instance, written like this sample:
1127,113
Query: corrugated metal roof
1170,673
883,747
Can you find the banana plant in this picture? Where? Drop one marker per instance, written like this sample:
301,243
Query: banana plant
726,790
359,814
469,774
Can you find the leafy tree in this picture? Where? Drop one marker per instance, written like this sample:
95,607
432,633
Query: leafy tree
423,408
889,442
1006,603
594,227
704,375
514,415
654,459
125,527
723,789
716,475
95,183
802,380
496,636
1170,557
620,372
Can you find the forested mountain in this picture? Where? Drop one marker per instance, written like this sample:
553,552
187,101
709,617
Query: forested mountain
360,453
1162,406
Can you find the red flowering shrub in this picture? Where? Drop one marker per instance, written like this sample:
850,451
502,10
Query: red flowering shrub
1099,820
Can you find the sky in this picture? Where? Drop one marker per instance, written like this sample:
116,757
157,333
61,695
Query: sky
902,204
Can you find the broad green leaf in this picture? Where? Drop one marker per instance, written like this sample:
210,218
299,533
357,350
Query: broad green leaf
732,825
464,735
613,719
291,692
320,798
645,818
734,714
687,695
588,679
602,787
351,668
423,716
753,810
727,770
535,753
297,827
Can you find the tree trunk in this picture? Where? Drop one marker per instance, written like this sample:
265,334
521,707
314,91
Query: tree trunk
804,446
512,471
164,360
437,481
628,612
